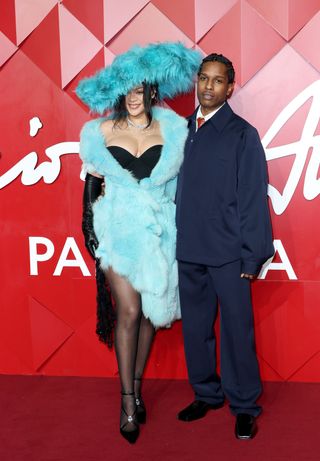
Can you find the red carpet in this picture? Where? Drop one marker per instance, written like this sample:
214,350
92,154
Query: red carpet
76,419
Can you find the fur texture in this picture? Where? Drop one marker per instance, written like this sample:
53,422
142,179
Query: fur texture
171,65
135,221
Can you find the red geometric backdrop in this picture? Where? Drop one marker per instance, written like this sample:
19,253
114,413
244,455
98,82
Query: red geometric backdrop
47,317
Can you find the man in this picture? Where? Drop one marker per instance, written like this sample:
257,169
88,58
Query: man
223,238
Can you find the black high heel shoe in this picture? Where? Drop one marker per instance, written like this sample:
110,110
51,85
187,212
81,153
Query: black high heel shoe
141,409
131,435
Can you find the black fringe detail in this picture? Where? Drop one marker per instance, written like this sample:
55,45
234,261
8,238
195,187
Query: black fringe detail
105,312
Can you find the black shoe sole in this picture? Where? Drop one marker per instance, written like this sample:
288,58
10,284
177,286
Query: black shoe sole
216,406
246,437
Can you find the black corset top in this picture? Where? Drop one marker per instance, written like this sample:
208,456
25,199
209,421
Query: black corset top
141,167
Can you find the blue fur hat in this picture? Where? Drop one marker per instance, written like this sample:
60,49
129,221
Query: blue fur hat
170,65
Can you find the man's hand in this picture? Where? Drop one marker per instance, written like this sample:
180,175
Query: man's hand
248,276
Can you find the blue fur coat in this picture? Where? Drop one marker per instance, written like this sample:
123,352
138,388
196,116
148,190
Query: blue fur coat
135,221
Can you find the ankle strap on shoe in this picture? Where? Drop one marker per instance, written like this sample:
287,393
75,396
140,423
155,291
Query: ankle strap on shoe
127,393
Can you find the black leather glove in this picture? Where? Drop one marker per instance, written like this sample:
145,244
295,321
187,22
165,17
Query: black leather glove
92,190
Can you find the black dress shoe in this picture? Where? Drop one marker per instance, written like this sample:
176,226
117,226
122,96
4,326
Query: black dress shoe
197,410
246,427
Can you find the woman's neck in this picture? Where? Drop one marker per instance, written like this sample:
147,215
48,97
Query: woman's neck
139,122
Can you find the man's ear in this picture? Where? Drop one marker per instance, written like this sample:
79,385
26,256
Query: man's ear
230,89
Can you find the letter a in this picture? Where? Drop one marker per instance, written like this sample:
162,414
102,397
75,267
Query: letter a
285,264
77,262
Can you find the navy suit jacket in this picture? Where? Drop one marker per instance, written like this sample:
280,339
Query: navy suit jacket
222,207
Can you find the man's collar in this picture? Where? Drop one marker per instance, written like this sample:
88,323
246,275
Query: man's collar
208,116
219,119
222,117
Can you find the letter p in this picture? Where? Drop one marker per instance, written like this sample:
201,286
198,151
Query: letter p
36,257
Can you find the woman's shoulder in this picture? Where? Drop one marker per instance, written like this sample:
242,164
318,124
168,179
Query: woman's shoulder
106,127
96,128
92,146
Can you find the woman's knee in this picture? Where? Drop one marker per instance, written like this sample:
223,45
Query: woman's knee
129,314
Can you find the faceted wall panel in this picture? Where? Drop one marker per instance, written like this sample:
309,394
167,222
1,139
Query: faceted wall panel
47,313
7,48
286,16
246,38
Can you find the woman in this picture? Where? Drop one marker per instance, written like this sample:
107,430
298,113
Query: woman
136,152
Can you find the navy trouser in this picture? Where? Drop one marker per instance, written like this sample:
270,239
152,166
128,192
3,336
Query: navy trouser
201,287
